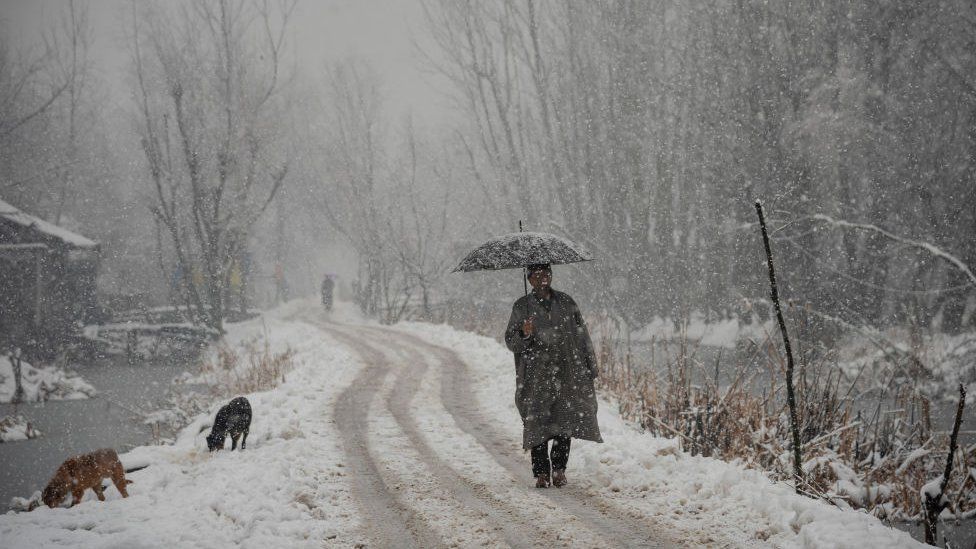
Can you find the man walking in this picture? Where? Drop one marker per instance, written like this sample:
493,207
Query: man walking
554,370
327,286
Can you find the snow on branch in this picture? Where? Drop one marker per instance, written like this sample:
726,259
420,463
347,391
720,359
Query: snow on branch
932,249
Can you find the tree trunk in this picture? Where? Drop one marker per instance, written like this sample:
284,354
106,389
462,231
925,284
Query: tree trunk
18,376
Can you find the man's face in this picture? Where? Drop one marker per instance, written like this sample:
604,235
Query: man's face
540,278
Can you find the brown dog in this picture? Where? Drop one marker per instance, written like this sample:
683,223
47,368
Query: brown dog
80,473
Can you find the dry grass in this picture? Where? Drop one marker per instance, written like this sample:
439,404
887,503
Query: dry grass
226,373
876,461
255,369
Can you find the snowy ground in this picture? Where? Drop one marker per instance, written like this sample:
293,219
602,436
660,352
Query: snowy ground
42,383
407,436
39,384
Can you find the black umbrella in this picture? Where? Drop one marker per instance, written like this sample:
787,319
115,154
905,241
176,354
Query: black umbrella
517,250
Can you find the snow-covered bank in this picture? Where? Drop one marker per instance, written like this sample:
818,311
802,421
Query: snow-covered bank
42,383
649,476
943,360
865,354
17,427
288,489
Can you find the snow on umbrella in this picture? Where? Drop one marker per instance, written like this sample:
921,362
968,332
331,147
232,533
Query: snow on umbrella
517,250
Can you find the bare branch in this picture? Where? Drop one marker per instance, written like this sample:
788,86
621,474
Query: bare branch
919,244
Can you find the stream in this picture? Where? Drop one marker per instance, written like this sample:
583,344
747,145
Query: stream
72,427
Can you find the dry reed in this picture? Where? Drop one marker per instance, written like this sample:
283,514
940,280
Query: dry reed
876,461
254,369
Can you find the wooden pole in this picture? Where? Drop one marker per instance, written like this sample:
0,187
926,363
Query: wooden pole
935,504
790,394
38,288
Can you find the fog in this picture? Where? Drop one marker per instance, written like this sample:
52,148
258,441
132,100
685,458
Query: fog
227,156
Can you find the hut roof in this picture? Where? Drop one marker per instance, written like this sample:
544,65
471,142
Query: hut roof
18,217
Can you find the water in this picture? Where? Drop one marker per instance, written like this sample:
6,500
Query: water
71,427
960,534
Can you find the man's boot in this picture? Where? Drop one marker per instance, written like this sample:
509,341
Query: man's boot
559,478
542,481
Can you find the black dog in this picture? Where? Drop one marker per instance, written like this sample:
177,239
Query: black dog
235,418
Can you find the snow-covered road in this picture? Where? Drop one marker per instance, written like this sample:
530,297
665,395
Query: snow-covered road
456,471
407,437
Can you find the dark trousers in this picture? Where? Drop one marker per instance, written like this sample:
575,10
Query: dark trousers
560,455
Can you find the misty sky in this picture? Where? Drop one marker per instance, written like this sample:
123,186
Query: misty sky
381,32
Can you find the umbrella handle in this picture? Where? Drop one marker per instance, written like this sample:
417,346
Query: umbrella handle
525,283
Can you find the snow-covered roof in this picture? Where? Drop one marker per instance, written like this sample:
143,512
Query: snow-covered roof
14,215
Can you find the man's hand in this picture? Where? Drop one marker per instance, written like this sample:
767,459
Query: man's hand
528,327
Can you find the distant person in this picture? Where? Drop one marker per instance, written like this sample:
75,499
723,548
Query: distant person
236,286
176,284
328,285
554,371
281,284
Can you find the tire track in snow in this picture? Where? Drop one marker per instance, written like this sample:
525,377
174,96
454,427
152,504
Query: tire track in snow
409,471
524,519
387,521
461,402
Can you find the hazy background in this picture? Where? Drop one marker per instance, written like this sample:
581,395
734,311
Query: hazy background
229,154
378,33
405,132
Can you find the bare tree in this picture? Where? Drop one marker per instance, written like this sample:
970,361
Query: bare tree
72,39
645,128
25,92
208,101
32,83
355,170
387,193
418,227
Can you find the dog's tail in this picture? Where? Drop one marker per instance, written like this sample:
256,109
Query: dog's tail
106,484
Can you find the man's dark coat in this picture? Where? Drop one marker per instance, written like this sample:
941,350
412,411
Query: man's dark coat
554,370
